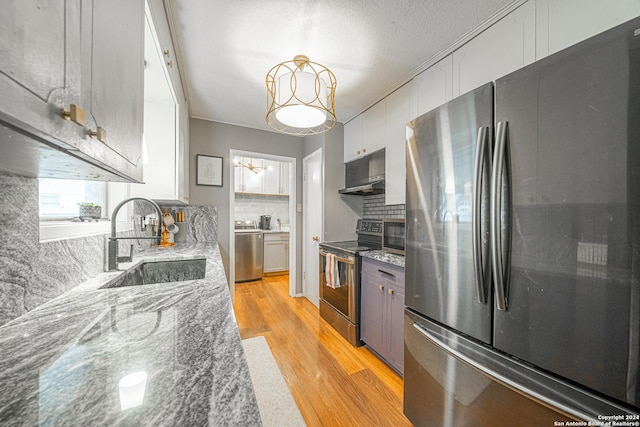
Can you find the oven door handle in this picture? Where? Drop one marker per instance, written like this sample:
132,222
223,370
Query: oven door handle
349,260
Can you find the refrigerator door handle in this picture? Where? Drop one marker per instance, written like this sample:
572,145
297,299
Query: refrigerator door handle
476,224
497,262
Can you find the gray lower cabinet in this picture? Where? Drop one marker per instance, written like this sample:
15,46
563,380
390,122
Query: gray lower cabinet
276,253
70,69
381,310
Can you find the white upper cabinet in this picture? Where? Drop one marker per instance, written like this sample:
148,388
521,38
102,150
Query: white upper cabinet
434,86
261,176
373,128
506,46
366,132
562,23
271,177
40,63
399,112
82,60
113,83
353,138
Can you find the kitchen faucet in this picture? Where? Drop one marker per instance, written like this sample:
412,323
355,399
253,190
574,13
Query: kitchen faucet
113,258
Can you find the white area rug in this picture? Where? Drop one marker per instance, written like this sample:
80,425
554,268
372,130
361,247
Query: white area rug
277,407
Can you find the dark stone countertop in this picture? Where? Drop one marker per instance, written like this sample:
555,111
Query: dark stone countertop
61,363
393,259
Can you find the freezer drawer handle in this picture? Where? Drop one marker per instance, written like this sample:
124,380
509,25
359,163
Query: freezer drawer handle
497,262
501,378
476,225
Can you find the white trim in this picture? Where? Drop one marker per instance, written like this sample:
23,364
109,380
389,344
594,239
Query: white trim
306,257
293,201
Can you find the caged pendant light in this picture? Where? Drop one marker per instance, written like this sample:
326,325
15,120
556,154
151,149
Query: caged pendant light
300,97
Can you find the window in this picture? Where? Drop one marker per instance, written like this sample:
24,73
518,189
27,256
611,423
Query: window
59,198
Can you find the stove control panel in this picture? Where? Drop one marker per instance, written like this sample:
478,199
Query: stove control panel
369,226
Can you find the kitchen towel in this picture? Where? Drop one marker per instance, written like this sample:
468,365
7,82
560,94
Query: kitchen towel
332,272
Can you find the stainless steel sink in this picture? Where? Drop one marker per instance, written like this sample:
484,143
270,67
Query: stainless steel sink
151,272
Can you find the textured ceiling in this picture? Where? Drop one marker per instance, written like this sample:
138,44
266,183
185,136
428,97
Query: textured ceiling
226,48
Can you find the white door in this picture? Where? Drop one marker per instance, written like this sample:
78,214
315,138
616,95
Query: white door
313,203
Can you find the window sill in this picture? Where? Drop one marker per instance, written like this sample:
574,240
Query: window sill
61,230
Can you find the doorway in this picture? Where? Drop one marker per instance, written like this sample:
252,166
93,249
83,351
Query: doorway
313,220
252,186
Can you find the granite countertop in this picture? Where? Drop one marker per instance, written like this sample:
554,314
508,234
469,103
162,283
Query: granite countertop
61,363
393,259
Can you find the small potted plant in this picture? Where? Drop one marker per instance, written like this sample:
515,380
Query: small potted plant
89,211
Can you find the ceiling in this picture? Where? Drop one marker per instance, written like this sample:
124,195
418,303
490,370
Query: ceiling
225,48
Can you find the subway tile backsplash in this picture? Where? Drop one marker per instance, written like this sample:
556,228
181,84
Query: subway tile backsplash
374,208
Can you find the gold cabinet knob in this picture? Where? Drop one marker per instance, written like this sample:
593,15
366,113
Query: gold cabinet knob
74,113
315,239
364,150
381,287
100,133
166,53
391,292
358,152
170,64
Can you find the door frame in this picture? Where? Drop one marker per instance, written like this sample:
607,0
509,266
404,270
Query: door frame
293,200
306,236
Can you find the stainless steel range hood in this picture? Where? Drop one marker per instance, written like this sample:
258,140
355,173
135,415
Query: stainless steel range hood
365,175
366,189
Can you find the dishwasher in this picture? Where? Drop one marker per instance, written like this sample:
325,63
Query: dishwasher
249,251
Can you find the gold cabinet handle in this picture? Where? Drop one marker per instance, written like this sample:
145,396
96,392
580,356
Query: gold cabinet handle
391,292
74,113
358,152
100,133
381,287
315,239
170,64
166,53
364,150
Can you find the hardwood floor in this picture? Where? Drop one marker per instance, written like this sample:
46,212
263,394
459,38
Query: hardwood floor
333,383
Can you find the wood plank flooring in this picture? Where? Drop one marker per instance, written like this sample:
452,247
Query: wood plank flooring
332,382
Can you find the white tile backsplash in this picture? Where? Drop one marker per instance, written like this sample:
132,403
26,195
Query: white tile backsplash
250,207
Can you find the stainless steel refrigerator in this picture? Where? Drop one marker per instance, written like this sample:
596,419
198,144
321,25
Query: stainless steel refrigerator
523,245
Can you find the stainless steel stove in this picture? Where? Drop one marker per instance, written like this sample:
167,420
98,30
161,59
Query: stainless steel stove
340,292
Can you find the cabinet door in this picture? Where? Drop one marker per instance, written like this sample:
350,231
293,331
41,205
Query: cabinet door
560,26
275,256
353,139
398,114
395,325
271,177
504,47
372,312
40,67
113,85
434,86
284,178
374,127
238,175
252,180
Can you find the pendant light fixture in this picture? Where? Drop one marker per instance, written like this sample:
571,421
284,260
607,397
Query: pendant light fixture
300,97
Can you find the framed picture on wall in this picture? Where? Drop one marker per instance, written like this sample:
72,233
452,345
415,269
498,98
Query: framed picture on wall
208,170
